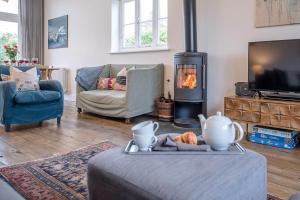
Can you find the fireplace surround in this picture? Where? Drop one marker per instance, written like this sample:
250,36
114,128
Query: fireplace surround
190,85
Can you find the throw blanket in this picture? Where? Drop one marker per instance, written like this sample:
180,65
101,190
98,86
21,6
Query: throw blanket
87,77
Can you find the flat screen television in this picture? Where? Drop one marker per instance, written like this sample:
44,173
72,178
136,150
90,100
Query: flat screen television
274,66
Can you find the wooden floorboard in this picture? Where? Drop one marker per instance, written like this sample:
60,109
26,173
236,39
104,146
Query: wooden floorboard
32,142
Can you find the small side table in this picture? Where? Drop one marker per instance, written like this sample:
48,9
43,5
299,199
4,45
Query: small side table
47,72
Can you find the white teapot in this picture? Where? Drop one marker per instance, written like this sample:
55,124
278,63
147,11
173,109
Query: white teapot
219,131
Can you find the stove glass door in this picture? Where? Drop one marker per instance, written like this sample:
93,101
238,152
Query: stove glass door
186,76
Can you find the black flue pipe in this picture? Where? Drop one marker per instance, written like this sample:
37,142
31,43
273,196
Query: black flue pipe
190,19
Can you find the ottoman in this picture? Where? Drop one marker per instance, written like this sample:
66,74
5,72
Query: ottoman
115,175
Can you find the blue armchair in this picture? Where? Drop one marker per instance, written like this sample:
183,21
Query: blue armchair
30,106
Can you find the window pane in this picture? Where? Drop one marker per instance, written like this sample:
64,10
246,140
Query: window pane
8,35
129,36
163,31
146,10
163,8
129,12
146,34
10,7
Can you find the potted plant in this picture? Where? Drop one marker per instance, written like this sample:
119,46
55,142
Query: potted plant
11,52
165,107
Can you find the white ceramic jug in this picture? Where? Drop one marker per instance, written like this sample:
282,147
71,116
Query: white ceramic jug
219,131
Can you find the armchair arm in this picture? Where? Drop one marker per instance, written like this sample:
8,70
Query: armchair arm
51,85
7,93
144,85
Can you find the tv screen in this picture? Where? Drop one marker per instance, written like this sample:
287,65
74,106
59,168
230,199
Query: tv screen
274,66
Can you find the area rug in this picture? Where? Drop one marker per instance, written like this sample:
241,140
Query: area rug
60,178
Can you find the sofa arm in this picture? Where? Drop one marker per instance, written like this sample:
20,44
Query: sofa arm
7,93
144,85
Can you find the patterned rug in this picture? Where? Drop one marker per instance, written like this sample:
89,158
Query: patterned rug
60,178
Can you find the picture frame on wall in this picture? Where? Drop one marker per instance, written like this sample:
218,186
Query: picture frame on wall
58,32
277,12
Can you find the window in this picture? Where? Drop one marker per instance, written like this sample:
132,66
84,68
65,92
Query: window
8,25
143,24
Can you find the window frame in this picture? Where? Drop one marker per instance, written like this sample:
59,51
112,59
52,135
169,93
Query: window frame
9,17
155,28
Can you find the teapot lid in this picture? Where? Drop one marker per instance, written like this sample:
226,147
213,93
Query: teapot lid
219,118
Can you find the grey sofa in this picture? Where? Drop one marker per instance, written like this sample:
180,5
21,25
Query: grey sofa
144,84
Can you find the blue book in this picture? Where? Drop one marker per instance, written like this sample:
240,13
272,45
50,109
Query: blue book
276,143
274,138
275,132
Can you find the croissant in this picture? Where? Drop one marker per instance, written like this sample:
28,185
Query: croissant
187,138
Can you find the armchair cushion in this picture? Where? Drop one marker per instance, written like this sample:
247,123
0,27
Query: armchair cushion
5,70
36,97
112,97
26,81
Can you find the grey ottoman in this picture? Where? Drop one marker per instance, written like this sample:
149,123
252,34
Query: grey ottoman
115,175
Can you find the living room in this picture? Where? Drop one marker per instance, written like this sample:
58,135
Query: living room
108,70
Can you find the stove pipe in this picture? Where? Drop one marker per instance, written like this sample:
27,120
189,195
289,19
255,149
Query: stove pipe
190,19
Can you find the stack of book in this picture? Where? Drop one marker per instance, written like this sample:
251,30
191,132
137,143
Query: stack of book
274,137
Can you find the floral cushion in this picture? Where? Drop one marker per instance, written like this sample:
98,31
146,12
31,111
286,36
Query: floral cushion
106,83
25,81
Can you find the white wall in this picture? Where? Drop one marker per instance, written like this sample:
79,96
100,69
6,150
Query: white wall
224,29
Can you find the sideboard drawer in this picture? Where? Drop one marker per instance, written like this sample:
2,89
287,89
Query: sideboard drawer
280,120
295,110
251,116
255,107
265,108
275,109
295,122
233,114
280,109
233,104
265,119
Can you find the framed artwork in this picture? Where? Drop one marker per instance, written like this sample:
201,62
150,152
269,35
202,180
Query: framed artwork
277,12
58,32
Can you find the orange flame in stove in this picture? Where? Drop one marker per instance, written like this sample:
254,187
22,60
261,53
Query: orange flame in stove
190,81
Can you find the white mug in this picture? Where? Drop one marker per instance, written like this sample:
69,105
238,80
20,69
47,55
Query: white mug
144,141
147,127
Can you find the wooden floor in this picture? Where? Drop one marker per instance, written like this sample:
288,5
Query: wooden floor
26,143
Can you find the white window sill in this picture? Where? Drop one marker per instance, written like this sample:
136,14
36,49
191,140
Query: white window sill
126,51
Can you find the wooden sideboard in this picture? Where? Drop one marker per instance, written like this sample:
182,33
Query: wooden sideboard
265,112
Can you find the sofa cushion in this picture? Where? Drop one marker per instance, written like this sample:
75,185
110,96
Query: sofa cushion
114,97
106,83
41,96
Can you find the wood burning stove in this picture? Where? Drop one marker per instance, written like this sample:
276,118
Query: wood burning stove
190,88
